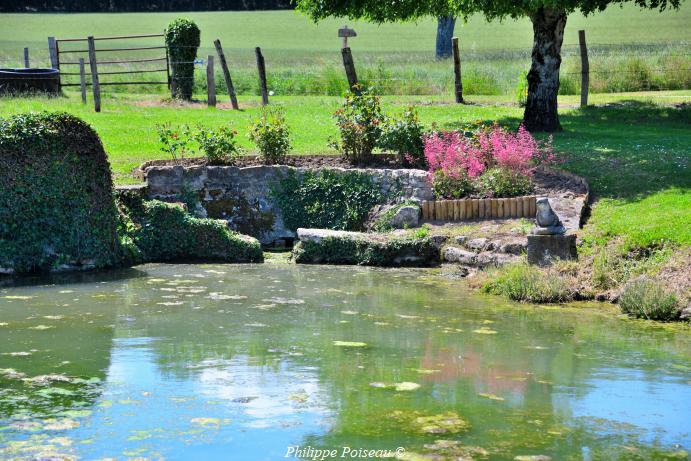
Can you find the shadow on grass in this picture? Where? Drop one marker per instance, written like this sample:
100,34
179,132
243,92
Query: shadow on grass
626,150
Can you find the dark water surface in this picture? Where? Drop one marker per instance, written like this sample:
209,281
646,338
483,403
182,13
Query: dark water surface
242,362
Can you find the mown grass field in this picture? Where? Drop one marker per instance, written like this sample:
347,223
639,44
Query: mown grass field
632,148
630,50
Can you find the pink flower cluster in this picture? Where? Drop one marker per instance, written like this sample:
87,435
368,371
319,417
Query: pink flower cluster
456,154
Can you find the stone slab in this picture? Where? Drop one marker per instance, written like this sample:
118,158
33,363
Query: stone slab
543,250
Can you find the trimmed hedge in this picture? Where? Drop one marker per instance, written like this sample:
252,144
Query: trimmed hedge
156,231
56,199
182,39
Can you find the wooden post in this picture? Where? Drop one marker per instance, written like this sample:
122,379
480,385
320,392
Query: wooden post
26,57
585,68
210,82
82,79
513,207
457,71
53,52
261,67
349,66
94,74
526,208
226,74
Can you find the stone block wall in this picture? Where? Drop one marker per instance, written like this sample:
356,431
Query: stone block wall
243,195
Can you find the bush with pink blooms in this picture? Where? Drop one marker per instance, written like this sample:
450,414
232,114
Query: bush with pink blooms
491,162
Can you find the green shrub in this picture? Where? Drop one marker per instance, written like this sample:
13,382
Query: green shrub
359,122
182,39
219,146
503,182
449,187
648,299
56,195
522,282
166,232
326,199
174,142
404,136
271,135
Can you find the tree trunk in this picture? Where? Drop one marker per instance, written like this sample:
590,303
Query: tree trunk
445,25
543,78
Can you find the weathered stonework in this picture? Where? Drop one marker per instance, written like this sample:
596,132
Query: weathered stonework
543,250
242,196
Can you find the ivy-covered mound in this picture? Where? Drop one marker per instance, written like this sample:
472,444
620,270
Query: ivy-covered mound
320,246
155,231
56,199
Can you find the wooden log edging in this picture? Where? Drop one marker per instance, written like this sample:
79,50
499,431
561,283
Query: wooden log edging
484,208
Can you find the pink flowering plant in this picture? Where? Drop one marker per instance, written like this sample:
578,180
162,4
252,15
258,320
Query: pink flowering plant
491,161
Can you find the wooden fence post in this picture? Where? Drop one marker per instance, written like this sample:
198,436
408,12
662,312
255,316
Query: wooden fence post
226,74
210,82
82,77
26,57
457,71
261,68
53,52
585,68
349,66
94,74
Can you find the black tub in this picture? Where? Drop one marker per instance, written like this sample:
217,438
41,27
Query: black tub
13,81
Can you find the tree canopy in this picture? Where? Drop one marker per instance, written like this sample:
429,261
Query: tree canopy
404,10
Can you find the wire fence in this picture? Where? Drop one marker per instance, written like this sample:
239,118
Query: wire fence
614,67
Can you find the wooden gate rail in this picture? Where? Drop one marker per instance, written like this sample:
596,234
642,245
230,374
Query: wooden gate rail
486,208
93,62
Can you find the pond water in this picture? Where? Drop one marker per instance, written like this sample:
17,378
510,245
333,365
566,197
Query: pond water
248,362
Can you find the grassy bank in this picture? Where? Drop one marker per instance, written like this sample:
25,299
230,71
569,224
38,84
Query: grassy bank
630,50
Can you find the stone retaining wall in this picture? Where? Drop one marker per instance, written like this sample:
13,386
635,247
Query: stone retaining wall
243,195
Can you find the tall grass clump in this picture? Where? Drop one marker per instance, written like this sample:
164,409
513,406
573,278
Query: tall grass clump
648,299
525,283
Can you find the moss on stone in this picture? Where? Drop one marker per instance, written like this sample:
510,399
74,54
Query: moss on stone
388,252
163,232
56,195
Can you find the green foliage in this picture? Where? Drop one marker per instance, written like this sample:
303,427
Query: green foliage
162,232
174,142
503,182
326,199
56,199
648,299
359,121
405,10
415,252
404,136
522,89
218,145
446,186
271,135
525,283
182,39
422,232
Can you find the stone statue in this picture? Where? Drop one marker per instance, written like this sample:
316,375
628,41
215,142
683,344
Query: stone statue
546,220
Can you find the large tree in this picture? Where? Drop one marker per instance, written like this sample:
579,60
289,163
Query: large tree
548,18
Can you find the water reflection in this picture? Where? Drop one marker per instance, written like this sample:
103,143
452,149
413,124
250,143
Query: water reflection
240,362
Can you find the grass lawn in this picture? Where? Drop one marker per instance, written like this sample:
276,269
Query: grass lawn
652,50
633,148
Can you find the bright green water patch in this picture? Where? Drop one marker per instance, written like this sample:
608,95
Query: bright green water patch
248,362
